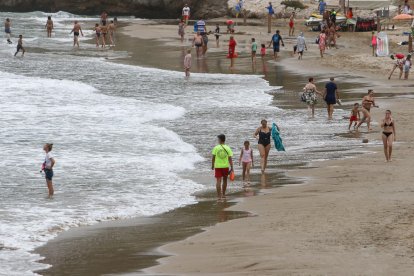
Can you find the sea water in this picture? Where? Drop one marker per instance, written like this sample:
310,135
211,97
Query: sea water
125,137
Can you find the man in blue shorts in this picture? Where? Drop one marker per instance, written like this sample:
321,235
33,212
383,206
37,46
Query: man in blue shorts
276,39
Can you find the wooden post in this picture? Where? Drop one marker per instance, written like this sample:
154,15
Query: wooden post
245,17
269,23
410,43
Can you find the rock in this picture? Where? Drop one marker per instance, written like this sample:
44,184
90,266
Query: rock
365,141
140,8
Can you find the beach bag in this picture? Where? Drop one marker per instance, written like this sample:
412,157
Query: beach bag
317,40
303,97
232,175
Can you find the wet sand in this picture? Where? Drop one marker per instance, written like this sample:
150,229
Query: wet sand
295,230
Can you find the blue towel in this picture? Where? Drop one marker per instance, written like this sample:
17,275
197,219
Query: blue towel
276,138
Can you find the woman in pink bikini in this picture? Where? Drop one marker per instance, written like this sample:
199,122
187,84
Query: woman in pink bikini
246,159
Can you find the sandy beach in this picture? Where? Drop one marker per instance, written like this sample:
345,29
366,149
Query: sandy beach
352,217
340,217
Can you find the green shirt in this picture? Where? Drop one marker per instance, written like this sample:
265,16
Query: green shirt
222,154
254,47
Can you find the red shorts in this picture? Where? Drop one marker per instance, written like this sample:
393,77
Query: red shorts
221,172
353,119
185,17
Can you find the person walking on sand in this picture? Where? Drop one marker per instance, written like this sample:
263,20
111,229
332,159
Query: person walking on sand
388,135
276,40
222,164
355,116
263,135
311,95
407,66
7,30
331,96
368,101
49,26
322,42
292,24
20,46
181,32
198,43
254,50
232,51
47,167
246,160
111,31
76,30
186,14
187,63
301,45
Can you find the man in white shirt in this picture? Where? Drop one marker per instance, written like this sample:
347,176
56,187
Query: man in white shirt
186,13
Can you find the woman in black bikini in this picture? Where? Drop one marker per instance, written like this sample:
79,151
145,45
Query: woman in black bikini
388,134
263,134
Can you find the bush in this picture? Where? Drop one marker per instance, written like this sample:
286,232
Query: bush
293,4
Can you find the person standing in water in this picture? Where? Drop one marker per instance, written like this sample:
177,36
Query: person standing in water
263,134
76,30
20,46
104,18
48,168
331,96
388,134
232,51
311,95
111,31
187,63
254,50
368,101
276,40
246,160
49,26
292,24
104,32
7,30
301,45
181,31
217,35
220,163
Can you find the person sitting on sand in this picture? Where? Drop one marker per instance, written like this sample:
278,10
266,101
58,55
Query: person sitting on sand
368,101
220,163
187,63
388,134
263,135
355,116
198,43
49,26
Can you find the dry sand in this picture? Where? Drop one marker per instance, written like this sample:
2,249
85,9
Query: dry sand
353,216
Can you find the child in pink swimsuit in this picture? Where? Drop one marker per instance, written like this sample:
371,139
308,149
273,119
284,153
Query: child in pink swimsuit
246,159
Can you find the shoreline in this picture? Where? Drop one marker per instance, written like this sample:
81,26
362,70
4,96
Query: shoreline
234,207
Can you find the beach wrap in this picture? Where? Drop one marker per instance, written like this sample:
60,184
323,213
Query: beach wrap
276,138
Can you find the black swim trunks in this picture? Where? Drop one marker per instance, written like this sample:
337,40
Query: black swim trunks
76,33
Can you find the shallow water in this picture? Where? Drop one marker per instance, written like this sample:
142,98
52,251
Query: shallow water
126,138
